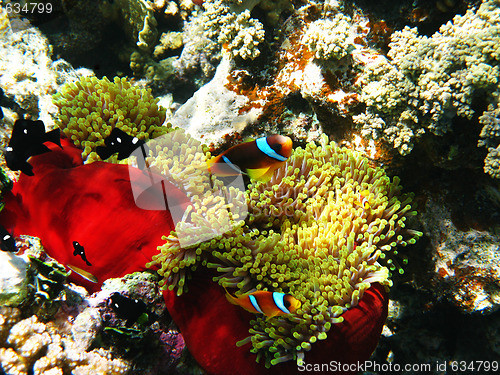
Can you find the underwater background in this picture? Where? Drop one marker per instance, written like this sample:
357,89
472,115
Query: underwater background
381,225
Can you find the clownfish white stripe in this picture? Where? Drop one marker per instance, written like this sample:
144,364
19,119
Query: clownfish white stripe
231,165
255,304
266,149
279,300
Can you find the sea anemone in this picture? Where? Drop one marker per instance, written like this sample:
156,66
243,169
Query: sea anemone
92,204
316,230
217,208
90,108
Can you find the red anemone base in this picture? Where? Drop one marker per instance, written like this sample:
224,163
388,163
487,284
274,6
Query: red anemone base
211,326
92,204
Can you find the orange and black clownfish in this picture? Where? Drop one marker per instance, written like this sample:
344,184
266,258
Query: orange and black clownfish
259,159
268,303
363,200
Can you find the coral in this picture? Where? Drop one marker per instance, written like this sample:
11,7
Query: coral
59,205
465,262
168,41
237,33
139,21
90,108
426,81
307,234
40,348
26,70
219,30
328,38
152,340
492,162
490,138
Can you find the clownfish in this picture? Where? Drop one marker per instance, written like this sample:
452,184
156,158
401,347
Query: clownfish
363,199
258,159
268,303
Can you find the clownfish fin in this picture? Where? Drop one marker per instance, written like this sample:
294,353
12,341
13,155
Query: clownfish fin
210,162
272,315
261,174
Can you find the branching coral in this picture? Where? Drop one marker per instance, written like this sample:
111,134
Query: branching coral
309,234
90,108
237,33
428,80
220,29
29,346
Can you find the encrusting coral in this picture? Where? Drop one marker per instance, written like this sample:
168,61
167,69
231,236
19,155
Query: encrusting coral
427,81
28,346
316,230
90,108
490,138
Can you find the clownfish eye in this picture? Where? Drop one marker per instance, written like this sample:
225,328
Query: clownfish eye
287,303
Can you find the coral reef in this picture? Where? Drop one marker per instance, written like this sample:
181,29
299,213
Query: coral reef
490,138
225,28
40,348
71,331
465,262
90,108
426,81
214,110
328,38
237,33
307,234
26,70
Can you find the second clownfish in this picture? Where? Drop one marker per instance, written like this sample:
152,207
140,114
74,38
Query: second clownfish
363,200
258,159
268,303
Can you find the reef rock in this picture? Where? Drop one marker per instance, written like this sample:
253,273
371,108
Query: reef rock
13,279
466,262
214,111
